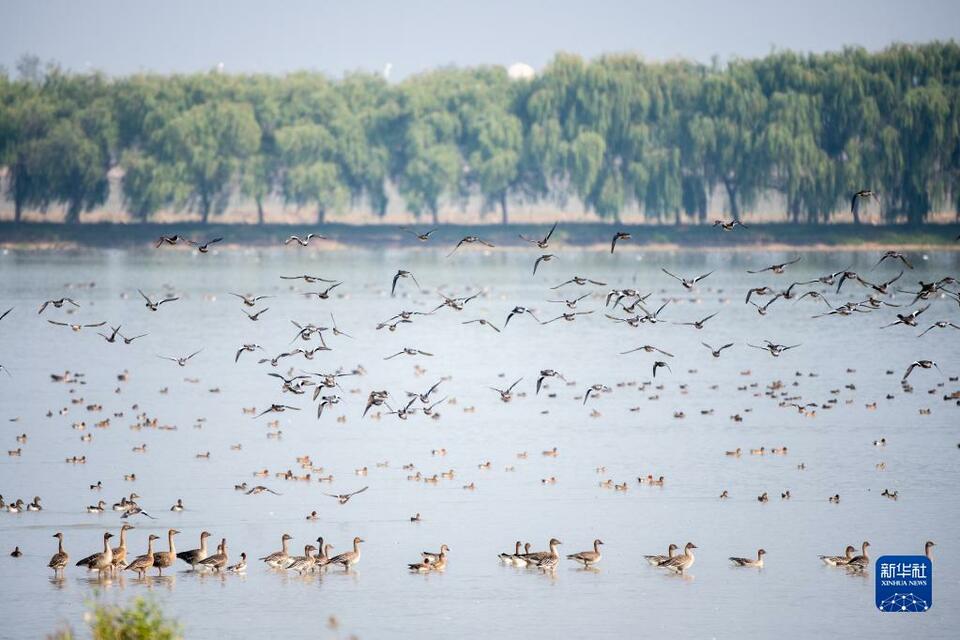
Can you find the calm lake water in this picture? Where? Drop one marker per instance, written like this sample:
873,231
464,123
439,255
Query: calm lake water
633,433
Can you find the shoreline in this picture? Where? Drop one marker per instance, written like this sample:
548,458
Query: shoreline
593,237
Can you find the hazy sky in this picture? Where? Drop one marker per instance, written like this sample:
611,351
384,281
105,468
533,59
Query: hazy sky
124,36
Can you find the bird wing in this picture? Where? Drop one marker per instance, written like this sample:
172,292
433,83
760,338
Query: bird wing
671,275
552,229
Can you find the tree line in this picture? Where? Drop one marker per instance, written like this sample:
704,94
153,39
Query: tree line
613,132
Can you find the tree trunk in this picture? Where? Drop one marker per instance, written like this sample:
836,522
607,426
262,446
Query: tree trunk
436,217
503,208
856,213
204,209
731,188
17,210
73,212
679,218
321,215
259,210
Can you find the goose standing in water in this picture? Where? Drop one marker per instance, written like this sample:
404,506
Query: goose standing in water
164,559
750,562
195,556
304,563
323,559
59,560
682,562
349,558
218,561
142,563
839,561
658,560
102,561
860,563
280,559
552,559
588,558
120,551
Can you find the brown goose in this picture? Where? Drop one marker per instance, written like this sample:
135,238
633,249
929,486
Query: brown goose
588,558
349,558
195,556
219,560
164,559
142,563
60,559
102,561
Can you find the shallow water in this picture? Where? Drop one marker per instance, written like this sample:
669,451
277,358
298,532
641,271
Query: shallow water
793,594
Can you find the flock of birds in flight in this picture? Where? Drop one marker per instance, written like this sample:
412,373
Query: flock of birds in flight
623,306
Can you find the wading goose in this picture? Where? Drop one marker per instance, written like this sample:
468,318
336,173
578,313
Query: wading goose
860,563
658,560
349,558
164,559
102,561
195,556
750,562
682,562
142,563
839,561
323,559
120,551
550,562
280,559
304,563
59,560
587,558
218,561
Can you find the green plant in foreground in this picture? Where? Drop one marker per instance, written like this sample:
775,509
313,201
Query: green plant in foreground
141,620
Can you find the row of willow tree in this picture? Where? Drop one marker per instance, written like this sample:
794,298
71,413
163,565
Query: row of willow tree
615,132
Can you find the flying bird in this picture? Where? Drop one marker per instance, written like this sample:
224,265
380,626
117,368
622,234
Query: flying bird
402,274
56,303
716,352
180,361
304,241
923,364
619,235
545,242
506,395
469,240
344,498
77,327
203,248
687,284
154,306
777,268
422,237
855,200
547,257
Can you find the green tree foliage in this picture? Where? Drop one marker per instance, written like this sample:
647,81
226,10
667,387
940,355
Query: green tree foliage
615,133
